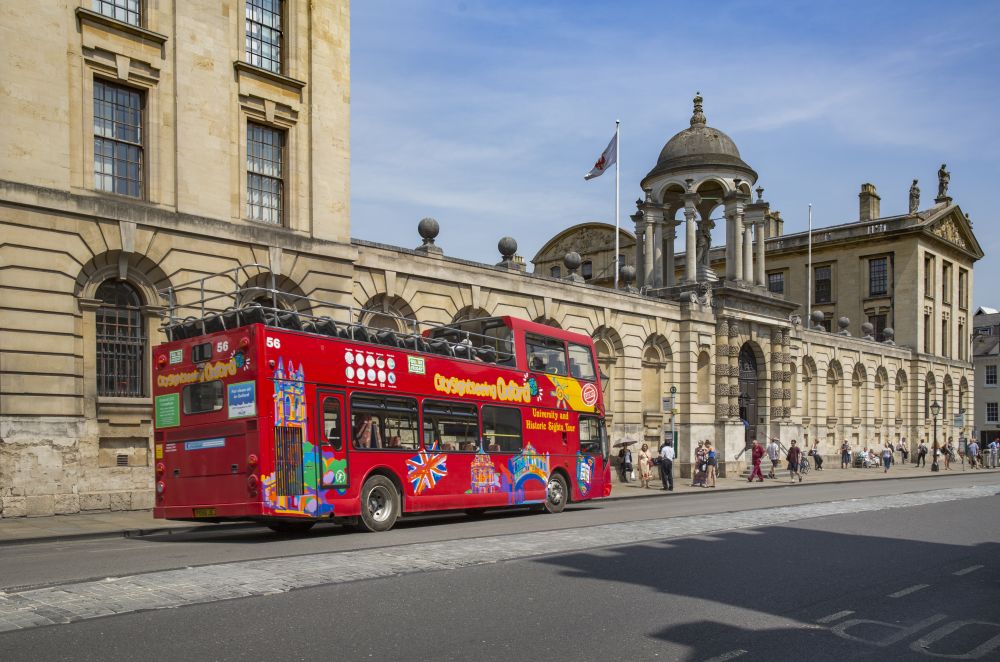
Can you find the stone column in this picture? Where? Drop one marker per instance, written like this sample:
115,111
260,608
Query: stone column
640,248
777,374
657,253
722,370
734,369
734,235
747,251
760,274
669,235
648,261
690,238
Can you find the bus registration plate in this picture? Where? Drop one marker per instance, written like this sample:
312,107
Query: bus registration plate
204,512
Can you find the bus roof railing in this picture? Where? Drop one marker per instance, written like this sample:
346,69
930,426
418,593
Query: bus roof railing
249,294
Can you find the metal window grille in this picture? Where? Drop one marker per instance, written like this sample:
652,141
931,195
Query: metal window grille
776,283
121,342
264,37
824,286
878,277
288,461
265,186
126,11
118,138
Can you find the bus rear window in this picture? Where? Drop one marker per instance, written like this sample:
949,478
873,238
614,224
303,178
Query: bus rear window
203,397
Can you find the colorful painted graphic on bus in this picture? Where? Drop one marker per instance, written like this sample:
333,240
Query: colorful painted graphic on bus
425,469
584,472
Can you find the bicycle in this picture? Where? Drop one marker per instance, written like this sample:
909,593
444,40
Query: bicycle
804,466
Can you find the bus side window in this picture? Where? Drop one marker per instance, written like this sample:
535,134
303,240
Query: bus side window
545,354
331,422
502,429
581,363
454,426
590,435
379,421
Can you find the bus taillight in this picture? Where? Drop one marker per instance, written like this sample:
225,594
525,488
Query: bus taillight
252,460
160,469
160,486
161,361
252,484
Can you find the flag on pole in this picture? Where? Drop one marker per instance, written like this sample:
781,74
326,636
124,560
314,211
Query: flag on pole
608,158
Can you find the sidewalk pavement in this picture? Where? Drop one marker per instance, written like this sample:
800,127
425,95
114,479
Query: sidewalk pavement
141,522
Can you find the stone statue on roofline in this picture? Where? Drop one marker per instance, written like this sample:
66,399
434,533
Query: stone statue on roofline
914,197
944,178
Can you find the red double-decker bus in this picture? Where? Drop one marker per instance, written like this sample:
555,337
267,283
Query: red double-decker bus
268,411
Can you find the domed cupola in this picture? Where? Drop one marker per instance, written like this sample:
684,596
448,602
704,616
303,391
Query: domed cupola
700,147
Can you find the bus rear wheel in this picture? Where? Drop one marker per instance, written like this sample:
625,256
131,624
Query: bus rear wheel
379,504
290,528
556,494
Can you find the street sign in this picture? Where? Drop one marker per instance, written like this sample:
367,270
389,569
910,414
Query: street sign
668,405
959,420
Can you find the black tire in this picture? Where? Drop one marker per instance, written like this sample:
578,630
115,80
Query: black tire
380,504
290,528
556,494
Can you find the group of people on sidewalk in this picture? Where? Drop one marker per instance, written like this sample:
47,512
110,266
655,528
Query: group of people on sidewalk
705,470
663,462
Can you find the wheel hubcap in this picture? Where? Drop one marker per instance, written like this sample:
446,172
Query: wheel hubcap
378,504
555,490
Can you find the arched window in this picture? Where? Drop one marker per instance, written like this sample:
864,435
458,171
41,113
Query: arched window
121,341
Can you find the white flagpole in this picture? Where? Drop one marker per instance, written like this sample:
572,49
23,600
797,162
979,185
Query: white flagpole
618,183
809,276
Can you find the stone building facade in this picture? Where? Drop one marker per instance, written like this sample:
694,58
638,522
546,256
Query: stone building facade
986,358
185,139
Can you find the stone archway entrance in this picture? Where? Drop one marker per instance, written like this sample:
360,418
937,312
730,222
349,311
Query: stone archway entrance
748,393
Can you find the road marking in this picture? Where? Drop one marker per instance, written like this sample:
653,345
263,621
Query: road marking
727,656
965,571
907,591
834,617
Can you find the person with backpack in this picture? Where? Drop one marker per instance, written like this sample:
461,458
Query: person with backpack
794,456
922,454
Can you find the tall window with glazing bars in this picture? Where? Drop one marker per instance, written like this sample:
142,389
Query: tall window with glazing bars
265,172
118,139
264,34
121,341
126,11
878,277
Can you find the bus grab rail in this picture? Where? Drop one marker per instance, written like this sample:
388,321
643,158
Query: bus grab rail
217,309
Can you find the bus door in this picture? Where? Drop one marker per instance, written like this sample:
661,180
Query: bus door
332,460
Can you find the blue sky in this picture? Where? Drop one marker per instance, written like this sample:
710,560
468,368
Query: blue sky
487,114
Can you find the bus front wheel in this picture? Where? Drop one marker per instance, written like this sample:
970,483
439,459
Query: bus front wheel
379,504
556,494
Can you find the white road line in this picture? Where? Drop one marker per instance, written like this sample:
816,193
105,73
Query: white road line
965,571
834,617
728,656
907,591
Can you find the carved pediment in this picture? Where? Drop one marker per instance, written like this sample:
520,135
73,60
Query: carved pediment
948,230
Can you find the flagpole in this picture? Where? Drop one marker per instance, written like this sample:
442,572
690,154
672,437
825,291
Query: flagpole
809,276
618,184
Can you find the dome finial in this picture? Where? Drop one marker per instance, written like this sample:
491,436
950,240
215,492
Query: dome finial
698,117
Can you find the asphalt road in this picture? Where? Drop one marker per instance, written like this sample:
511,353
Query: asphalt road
47,563
908,583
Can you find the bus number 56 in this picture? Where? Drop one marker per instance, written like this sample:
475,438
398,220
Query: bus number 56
274,342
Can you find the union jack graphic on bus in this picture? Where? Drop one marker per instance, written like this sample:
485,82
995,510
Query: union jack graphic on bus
425,469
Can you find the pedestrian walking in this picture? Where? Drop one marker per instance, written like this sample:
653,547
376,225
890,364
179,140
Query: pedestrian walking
994,451
816,456
645,466
773,454
922,454
904,450
845,455
794,456
667,466
700,465
972,451
712,459
756,455
949,454
886,458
